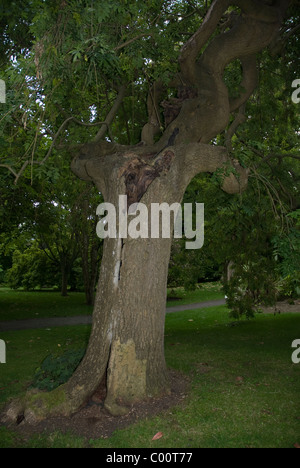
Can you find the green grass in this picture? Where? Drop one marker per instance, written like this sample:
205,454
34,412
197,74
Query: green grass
244,387
26,349
204,292
21,305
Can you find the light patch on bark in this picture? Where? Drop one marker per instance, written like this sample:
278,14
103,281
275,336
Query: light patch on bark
116,276
110,333
126,377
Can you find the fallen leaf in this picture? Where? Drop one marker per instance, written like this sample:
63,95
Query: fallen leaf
267,411
157,436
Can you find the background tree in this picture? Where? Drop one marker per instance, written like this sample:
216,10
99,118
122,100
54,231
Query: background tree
58,227
90,69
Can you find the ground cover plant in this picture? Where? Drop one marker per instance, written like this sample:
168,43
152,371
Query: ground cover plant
243,388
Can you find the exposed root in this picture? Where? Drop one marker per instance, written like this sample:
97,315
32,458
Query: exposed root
36,406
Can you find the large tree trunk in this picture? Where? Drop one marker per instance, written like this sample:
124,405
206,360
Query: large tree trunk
126,346
127,341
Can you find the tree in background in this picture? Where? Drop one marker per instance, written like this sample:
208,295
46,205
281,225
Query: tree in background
58,227
96,65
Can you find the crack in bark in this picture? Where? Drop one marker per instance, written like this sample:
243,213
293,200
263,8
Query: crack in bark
121,257
116,276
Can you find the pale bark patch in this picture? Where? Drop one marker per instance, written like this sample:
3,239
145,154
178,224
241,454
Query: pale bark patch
126,377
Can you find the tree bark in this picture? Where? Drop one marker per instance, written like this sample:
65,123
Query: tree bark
129,312
126,346
64,278
127,341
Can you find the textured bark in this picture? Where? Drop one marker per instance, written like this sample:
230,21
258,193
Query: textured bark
129,312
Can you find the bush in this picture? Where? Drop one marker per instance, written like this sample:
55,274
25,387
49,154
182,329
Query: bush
289,287
56,370
252,285
30,269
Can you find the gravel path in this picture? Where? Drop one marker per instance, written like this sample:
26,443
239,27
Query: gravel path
87,319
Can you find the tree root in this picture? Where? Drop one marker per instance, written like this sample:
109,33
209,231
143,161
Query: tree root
36,406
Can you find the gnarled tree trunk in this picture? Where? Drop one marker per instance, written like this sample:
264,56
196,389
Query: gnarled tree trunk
129,313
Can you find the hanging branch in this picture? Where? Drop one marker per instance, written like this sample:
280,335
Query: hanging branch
50,150
111,115
130,41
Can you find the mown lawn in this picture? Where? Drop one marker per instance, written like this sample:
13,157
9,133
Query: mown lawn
21,305
244,387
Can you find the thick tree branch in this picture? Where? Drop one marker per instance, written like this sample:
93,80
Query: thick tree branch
208,158
253,9
190,51
153,126
246,38
201,119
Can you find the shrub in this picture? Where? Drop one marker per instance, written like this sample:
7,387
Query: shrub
56,370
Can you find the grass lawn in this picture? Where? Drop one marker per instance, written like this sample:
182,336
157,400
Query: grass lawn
244,387
21,305
204,292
